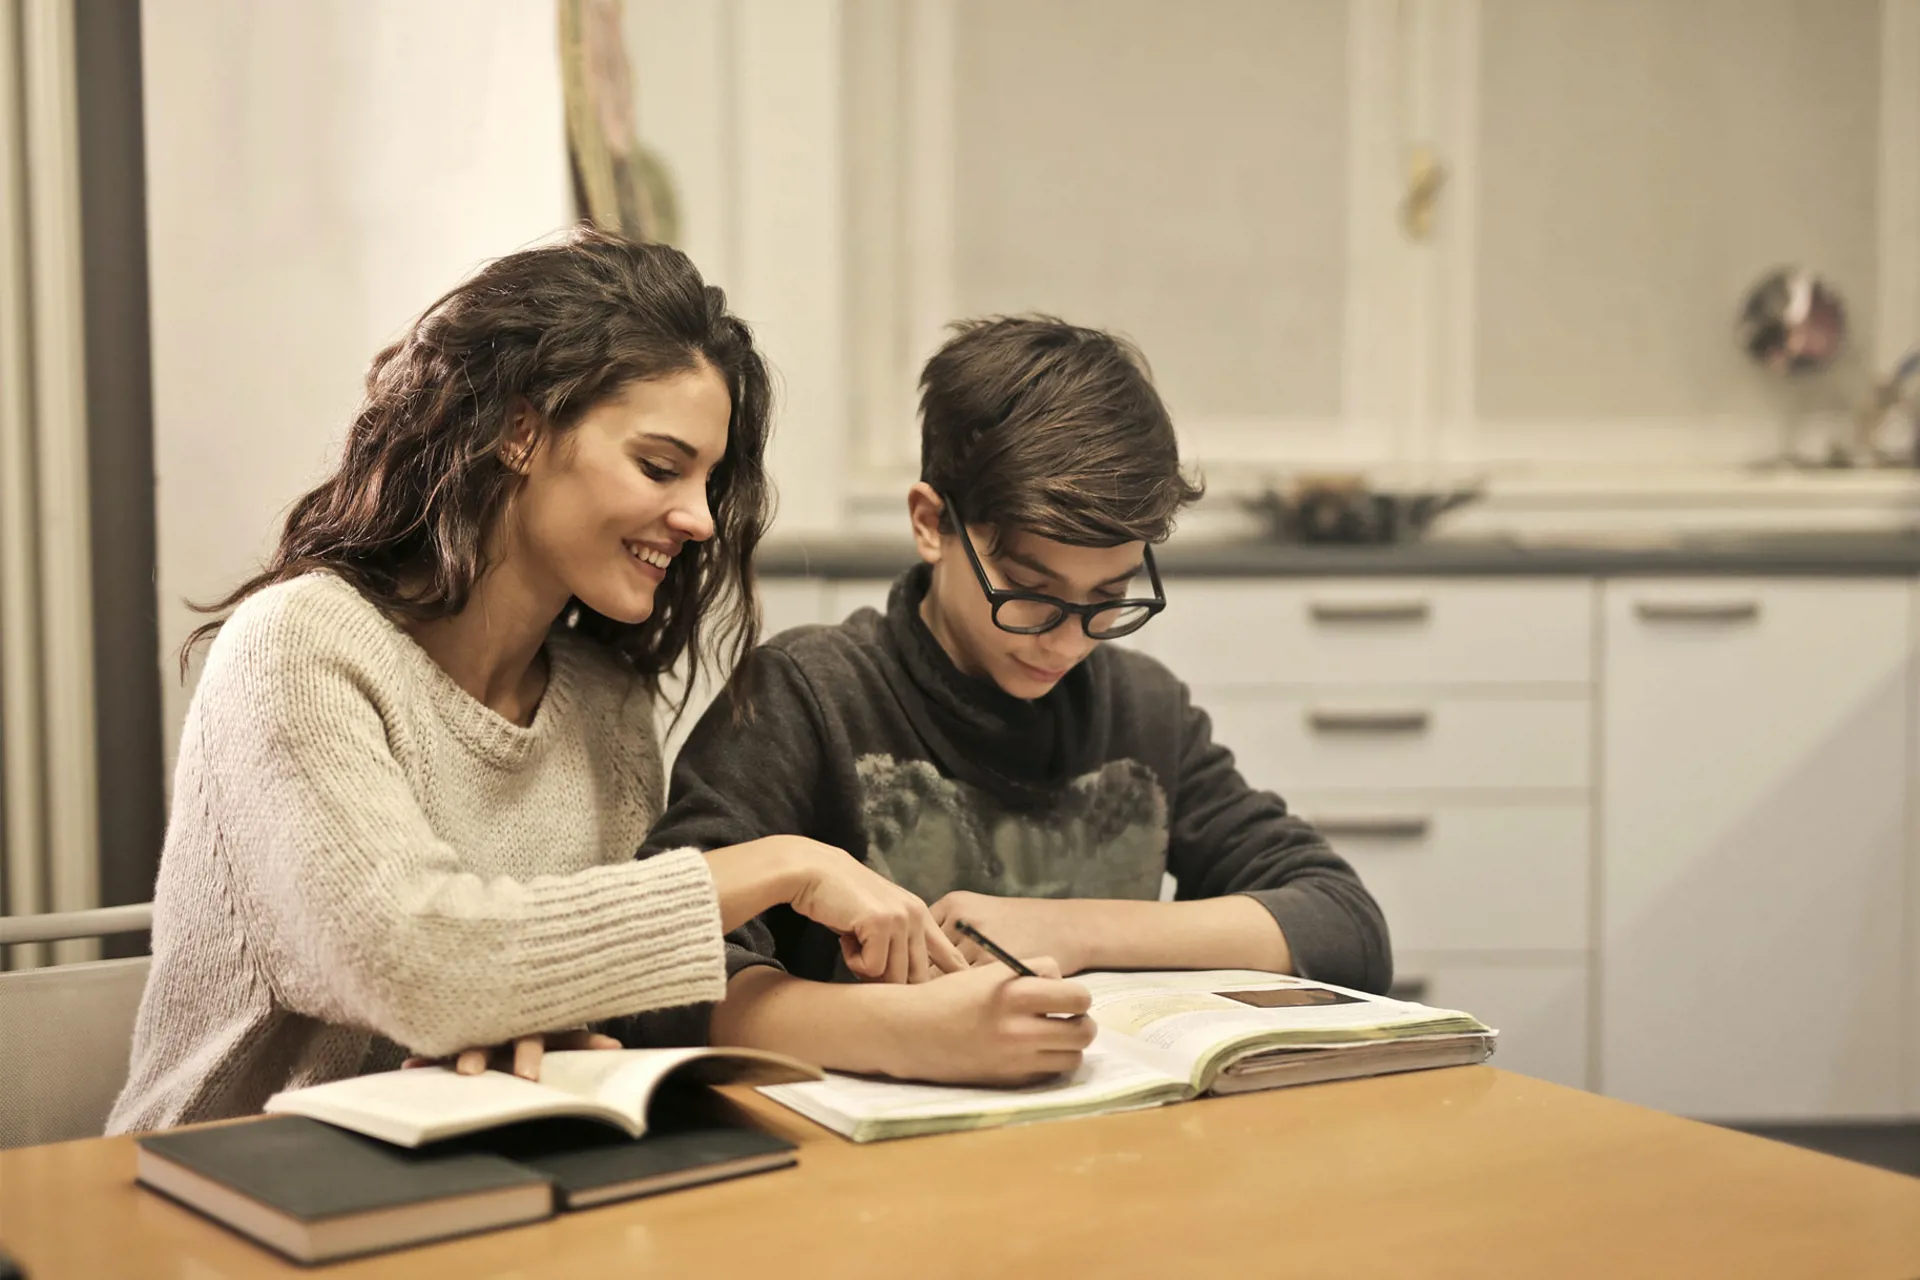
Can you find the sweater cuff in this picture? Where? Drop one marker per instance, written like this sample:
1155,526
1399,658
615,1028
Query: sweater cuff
622,939
689,1025
1325,944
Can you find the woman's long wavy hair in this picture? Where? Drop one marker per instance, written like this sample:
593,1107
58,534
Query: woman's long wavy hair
409,516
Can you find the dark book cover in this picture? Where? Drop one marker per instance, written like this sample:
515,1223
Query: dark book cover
593,1163
316,1192
312,1171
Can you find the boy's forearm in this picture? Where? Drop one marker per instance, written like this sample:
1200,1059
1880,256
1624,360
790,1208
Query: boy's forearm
1232,932
839,1026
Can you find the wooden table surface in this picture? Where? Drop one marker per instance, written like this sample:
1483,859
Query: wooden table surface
1465,1172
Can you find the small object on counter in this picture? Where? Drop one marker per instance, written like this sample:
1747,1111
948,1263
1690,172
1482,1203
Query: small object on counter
1793,321
1347,508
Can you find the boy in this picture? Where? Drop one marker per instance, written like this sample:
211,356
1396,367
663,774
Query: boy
980,745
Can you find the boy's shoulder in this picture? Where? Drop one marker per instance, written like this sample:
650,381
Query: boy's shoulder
829,656
859,633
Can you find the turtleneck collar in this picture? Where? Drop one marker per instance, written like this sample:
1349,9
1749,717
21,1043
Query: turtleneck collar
1014,747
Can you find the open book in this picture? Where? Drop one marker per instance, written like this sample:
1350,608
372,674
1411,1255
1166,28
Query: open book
1167,1037
426,1104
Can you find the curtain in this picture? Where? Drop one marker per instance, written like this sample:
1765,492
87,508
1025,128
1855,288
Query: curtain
48,786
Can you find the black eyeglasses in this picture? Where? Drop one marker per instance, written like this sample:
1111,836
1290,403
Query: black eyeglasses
1028,613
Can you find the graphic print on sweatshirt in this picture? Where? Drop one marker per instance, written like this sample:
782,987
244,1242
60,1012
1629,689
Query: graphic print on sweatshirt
1105,836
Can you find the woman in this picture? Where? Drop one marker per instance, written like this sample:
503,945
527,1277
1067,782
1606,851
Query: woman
423,751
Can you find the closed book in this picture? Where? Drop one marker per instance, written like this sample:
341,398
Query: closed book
316,1193
591,1164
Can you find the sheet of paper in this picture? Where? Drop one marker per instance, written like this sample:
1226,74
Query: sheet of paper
399,1105
626,1080
1107,1070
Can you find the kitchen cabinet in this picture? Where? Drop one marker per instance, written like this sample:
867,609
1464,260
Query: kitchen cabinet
1755,836
1360,232
1440,733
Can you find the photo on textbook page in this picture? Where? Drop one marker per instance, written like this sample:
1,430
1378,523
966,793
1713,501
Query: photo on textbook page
1290,997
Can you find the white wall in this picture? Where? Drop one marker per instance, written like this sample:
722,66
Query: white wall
318,173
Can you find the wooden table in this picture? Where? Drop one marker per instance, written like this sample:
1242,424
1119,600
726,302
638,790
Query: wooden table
1466,1172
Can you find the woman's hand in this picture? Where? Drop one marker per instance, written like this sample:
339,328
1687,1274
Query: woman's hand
525,1053
886,932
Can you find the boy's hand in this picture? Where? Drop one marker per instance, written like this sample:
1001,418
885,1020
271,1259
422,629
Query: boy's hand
1024,926
988,1026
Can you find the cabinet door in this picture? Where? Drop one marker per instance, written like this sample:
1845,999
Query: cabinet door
1457,876
1402,741
1387,631
1753,833
846,598
1539,1009
786,603
1228,199
1621,172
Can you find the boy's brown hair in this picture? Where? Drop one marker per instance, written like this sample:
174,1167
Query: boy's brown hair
1029,422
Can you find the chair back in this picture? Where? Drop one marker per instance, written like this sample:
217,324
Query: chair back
66,1031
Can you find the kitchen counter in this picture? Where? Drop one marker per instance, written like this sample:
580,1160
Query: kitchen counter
1891,553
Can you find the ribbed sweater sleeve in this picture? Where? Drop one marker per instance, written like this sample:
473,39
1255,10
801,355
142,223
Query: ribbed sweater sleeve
358,913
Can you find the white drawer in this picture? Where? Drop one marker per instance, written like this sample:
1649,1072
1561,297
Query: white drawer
1462,877
1289,743
786,603
1390,631
1540,1010
845,597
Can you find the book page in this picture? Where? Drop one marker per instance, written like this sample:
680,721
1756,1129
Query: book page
1112,1075
1203,1017
623,1081
423,1104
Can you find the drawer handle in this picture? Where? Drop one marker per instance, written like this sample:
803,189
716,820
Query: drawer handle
1337,611
1413,989
1384,826
1697,610
1409,721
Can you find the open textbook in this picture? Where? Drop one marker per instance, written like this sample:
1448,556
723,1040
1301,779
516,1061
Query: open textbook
426,1104
1167,1037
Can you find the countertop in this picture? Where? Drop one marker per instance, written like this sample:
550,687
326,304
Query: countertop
1890,553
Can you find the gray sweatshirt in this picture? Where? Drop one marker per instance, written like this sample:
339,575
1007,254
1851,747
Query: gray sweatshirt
865,736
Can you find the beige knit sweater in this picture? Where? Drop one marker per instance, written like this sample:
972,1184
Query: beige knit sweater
362,857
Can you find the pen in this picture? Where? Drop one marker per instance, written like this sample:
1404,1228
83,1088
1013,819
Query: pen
994,949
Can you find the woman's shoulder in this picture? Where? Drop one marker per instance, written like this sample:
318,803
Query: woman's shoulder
321,601
306,620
